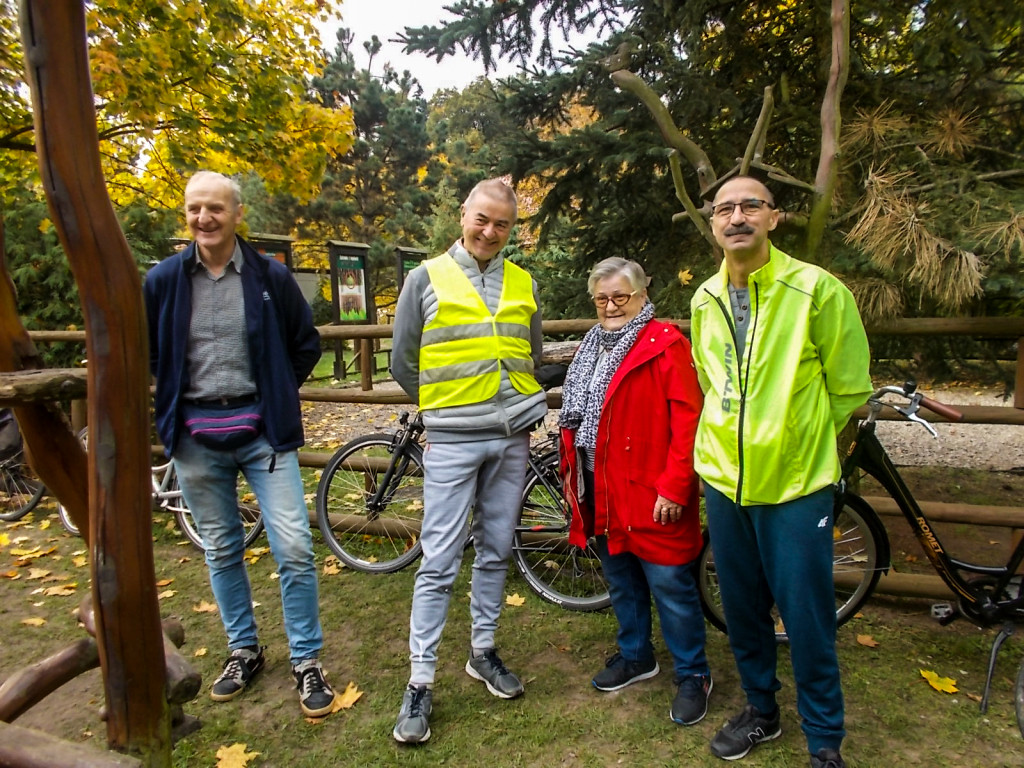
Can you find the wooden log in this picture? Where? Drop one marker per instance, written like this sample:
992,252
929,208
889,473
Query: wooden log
913,585
124,587
26,748
30,685
946,512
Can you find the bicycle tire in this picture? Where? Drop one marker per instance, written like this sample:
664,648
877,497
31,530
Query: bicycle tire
20,489
248,512
556,570
371,541
860,554
1018,698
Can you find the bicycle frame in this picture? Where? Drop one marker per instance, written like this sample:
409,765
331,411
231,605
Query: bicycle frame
982,600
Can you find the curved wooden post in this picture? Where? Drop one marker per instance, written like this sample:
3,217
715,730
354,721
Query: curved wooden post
124,591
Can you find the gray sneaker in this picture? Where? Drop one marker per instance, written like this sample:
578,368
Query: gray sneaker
239,669
413,726
495,675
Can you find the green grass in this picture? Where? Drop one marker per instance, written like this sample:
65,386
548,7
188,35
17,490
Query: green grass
893,717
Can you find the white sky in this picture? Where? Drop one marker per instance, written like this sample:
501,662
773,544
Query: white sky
388,18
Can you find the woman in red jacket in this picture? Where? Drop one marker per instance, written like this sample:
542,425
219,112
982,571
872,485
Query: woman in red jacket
630,405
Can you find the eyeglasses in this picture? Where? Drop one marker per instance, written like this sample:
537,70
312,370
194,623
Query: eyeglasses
618,299
747,208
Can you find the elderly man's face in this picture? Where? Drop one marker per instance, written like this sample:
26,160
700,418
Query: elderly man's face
739,232
486,225
211,215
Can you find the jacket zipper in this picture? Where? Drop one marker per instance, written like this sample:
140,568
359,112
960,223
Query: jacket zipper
743,379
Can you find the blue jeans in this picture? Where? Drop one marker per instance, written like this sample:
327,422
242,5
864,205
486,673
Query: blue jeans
209,484
781,554
631,583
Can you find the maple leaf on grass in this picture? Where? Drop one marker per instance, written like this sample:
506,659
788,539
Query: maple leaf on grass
34,621
514,599
867,640
204,607
943,684
234,756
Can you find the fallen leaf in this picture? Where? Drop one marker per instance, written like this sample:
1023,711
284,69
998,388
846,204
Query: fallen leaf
973,697
205,607
35,621
12,575
275,576
185,559
347,698
164,582
44,525
199,652
62,591
166,593
234,756
685,276
514,599
867,640
81,561
37,573
4,539
943,684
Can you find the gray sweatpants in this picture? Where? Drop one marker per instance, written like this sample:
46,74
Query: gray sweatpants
486,476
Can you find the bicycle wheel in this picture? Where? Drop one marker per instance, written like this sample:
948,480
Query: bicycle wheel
248,511
859,555
20,489
62,512
556,570
1018,697
380,539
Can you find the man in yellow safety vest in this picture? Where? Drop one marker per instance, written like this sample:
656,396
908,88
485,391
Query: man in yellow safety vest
467,340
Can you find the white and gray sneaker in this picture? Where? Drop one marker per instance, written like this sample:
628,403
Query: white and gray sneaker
239,669
413,725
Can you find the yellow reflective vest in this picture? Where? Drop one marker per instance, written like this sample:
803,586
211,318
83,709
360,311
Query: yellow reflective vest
464,347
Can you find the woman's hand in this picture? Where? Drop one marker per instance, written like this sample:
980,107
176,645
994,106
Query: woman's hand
666,510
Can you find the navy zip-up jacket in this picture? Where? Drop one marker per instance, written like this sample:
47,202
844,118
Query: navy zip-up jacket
284,345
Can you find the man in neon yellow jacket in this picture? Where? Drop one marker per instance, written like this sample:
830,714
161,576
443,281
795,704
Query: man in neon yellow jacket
782,358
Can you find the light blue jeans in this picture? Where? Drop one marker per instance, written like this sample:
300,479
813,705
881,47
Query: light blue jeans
208,481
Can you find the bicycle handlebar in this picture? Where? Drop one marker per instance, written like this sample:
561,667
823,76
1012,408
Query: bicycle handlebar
948,412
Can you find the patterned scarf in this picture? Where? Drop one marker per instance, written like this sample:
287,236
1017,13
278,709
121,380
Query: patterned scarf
584,388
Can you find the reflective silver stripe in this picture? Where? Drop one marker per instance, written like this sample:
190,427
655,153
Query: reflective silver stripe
455,333
430,376
518,364
513,330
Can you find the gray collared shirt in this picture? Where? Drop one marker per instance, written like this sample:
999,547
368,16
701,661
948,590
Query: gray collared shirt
217,358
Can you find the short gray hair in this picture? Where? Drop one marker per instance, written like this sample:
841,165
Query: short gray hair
496,189
236,190
616,265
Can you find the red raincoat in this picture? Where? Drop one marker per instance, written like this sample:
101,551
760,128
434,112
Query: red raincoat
644,449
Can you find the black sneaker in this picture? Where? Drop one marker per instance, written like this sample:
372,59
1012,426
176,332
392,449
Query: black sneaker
691,701
618,673
239,668
827,758
413,726
315,695
743,732
495,675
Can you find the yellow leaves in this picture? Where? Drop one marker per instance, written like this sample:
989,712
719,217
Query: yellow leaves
514,599
63,590
867,640
165,582
166,593
37,573
204,607
942,684
34,621
685,277
332,566
234,756
4,539
80,561
12,575
347,699
252,556
199,652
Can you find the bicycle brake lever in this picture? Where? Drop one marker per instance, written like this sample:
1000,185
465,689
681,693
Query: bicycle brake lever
910,410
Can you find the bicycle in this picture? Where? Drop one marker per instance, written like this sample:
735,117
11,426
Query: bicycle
369,505
167,494
20,489
986,594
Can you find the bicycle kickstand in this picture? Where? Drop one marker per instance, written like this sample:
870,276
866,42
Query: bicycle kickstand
1004,632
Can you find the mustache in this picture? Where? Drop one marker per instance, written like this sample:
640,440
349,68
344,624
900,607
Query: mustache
741,229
